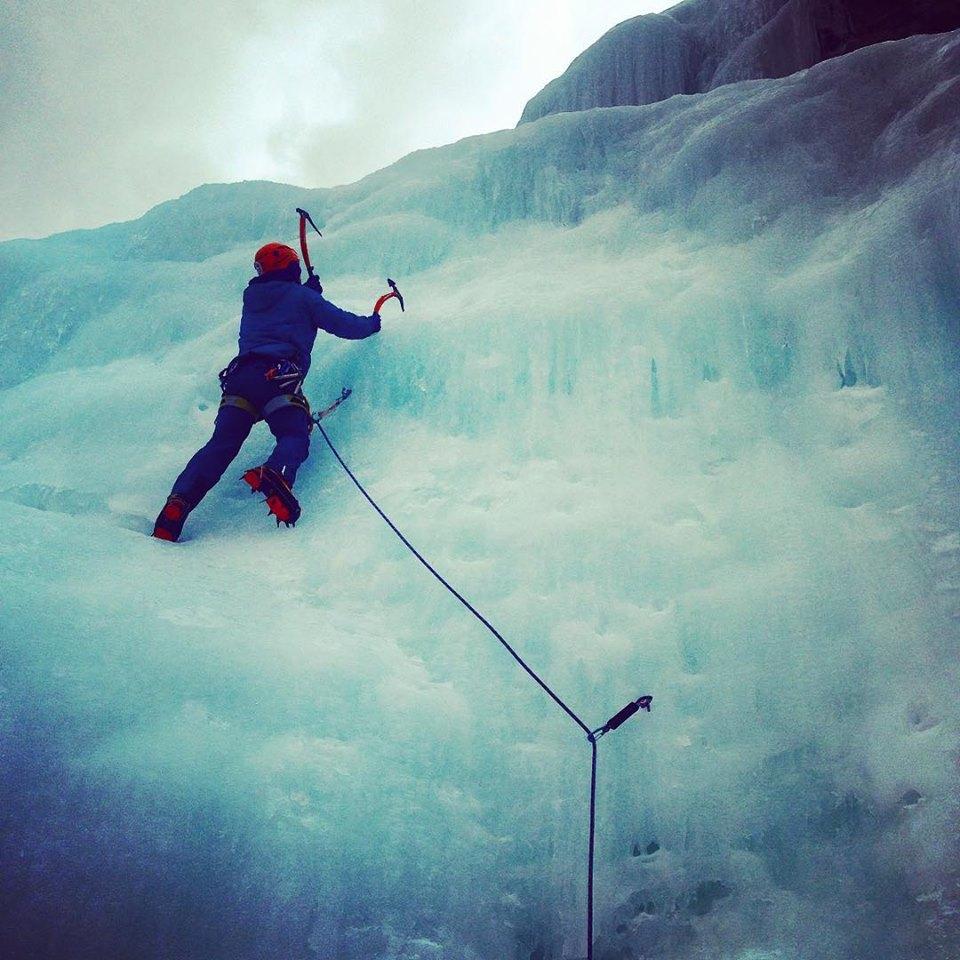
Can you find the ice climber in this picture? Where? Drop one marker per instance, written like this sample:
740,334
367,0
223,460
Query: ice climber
278,328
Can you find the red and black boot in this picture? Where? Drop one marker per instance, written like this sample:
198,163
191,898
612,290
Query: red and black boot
281,503
172,517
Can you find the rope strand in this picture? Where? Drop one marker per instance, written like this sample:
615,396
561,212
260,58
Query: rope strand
592,735
590,853
426,563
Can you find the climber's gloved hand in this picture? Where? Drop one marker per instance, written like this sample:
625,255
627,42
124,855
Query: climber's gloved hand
313,282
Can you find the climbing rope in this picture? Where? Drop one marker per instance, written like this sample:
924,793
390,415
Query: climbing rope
439,577
643,703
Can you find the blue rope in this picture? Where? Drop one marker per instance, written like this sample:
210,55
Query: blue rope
593,828
592,735
496,633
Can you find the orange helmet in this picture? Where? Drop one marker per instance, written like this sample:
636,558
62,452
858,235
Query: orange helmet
274,256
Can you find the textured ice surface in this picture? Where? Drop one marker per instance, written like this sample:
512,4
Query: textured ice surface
613,415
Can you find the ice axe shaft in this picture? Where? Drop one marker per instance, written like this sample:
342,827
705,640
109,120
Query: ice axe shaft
394,292
305,218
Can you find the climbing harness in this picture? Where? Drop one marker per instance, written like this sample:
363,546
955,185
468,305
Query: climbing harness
230,368
284,373
287,400
593,736
271,406
242,403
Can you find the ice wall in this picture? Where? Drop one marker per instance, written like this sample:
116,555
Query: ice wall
699,45
675,403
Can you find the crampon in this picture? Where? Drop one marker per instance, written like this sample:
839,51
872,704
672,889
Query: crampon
169,523
279,498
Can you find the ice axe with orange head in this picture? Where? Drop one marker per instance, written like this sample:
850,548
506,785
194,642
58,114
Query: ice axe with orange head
305,218
394,292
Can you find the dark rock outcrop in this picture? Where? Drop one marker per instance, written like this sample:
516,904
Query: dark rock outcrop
702,44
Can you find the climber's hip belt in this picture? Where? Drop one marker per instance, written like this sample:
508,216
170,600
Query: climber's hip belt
261,385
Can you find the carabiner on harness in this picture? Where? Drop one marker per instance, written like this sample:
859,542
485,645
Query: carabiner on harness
284,373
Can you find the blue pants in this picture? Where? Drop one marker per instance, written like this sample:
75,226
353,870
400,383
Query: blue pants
290,425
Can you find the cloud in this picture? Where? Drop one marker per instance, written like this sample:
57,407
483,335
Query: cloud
105,99
109,107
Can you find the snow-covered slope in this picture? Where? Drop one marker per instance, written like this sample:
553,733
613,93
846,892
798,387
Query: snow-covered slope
613,415
701,44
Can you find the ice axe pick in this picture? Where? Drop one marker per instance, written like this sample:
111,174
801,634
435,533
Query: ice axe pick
394,292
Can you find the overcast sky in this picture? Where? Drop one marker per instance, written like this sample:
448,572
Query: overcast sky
108,107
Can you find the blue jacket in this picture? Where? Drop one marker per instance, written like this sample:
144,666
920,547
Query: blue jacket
281,318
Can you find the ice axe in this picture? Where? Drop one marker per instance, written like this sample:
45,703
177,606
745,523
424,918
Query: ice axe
305,218
394,292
